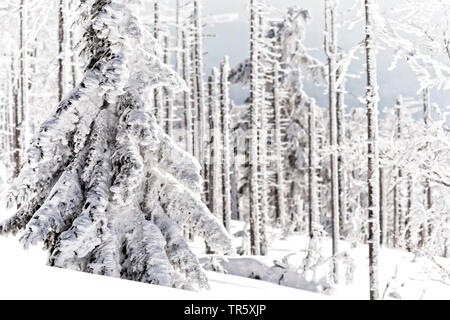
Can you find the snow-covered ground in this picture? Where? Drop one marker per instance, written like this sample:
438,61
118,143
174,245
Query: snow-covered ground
402,275
24,275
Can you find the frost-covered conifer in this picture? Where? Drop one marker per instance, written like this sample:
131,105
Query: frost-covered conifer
104,187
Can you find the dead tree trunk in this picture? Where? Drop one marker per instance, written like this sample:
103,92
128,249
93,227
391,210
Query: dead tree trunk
373,152
254,214
331,50
312,174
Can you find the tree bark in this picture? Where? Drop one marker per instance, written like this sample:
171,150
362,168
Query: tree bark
426,228
16,146
254,214
340,105
312,174
280,203
331,50
373,152
23,47
398,199
187,96
226,143
383,213
61,51
199,86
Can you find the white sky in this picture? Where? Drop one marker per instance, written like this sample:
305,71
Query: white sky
231,38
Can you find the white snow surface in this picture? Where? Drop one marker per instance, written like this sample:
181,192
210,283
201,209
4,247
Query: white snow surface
24,275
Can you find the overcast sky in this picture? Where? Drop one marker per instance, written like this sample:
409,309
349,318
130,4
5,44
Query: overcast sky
229,36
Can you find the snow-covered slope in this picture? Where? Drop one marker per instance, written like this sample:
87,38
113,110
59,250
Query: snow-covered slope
24,275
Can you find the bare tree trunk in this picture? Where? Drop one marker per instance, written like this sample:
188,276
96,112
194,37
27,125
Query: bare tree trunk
398,199
199,87
16,146
254,214
8,112
373,152
179,40
61,51
211,118
73,56
235,179
280,204
408,215
187,96
383,213
158,104
426,228
226,169
312,174
169,114
216,161
23,47
331,50
340,105
262,138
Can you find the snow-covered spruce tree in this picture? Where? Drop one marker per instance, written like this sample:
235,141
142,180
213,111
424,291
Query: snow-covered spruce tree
104,188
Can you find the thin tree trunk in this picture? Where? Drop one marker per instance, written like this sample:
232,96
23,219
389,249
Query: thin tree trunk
373,152
235,178
187,96
198,52
169,115
383,213
211,117
340,105
254,214
331,50
312,174
73,58
280,203
217,188
408,215
226,163
23,47
61,51
8,112
178,41
398,199
16,147
262,140
157,94
426,228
